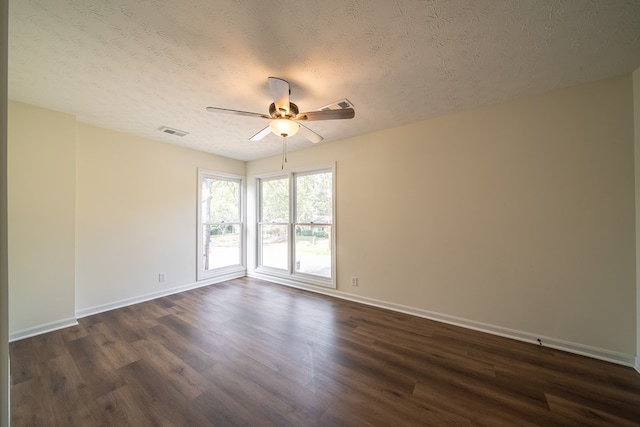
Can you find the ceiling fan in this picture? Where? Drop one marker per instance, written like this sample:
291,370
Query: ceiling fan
285,116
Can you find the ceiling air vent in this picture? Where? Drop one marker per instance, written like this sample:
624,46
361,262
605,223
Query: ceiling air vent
172,131
338,105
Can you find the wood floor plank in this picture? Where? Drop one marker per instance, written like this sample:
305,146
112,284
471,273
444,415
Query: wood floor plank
251,353
253,396
167,405
74,399
27,410
449,398
115,349
375,405
71,403
181,347
222,409
34,351
173,369
302,394
73,333
342,414
586,415
94,366
123,407
197,336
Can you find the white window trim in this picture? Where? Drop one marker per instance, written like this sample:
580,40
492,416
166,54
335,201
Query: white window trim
290,275
239,269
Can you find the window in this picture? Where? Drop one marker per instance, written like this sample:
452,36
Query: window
221,226
274,226
295,226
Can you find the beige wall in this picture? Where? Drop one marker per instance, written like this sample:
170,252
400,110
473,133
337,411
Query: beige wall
518,215
136,215
41,216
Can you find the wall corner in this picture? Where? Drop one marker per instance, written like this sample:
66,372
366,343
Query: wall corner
636,144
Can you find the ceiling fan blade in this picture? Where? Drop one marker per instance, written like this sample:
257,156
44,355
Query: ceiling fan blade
280,92
236,112
258,136
347,113
310,135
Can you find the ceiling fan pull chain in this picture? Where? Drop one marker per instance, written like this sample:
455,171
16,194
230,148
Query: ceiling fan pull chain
284,151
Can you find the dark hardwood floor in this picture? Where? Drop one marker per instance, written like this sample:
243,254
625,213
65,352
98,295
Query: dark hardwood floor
247,352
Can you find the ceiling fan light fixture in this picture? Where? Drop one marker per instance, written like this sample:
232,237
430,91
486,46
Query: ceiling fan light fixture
284,127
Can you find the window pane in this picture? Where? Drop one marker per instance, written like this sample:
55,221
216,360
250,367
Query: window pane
220,200
313,250
274,246
314,198
275,200
221,245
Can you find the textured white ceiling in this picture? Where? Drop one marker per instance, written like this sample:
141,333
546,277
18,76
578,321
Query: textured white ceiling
137,65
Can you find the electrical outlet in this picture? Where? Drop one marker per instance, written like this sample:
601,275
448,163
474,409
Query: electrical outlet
162,277
354,281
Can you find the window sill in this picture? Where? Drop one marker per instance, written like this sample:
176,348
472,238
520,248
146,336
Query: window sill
296,279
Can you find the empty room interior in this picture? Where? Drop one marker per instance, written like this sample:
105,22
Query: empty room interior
321,213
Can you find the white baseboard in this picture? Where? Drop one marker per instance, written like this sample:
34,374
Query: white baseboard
637,365
571,347
42,329
142,298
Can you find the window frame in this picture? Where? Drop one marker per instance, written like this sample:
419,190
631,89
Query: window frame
260,223
290,272
235,269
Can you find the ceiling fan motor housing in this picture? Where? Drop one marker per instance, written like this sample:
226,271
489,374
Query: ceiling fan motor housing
293,111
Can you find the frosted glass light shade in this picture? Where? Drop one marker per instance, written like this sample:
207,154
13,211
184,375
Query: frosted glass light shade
284,127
